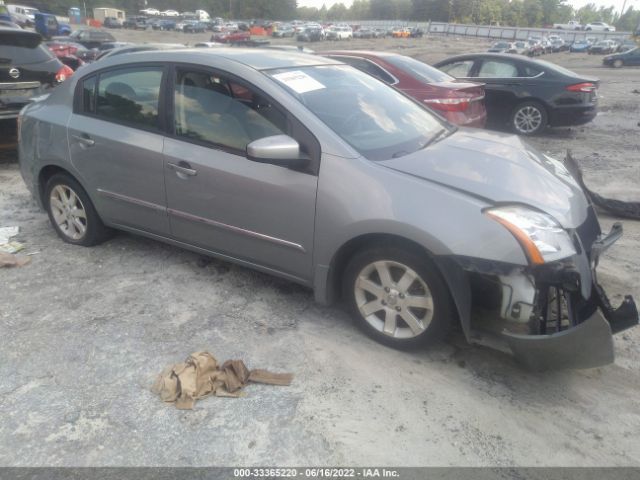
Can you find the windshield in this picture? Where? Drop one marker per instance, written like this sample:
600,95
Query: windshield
374,119
418,70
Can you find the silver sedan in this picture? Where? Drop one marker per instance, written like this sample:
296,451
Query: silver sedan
308,169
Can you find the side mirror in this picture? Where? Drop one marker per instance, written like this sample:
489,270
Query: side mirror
278,150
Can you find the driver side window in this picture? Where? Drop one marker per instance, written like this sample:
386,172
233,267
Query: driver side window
214,110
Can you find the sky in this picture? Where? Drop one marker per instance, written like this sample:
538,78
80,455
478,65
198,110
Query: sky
575,3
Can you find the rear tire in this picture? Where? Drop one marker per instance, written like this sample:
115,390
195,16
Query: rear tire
529,118
72,213
398,297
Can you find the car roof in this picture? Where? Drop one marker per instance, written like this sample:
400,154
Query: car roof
363,53
502,56
256,58
17,31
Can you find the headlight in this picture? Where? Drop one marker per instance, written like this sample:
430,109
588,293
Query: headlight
540,236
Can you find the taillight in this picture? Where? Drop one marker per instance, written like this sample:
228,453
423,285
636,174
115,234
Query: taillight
64,73
451,104
585,87
448,104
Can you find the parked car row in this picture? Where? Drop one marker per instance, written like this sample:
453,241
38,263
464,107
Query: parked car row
536,46
337,181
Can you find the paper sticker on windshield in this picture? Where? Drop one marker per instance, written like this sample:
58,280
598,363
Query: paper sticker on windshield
299,81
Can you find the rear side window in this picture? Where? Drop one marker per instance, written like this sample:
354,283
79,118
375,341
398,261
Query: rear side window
461,68
367,67
418,70
18,48
497,69
130,95
531,70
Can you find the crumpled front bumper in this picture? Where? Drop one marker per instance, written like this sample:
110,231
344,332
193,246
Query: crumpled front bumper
588,342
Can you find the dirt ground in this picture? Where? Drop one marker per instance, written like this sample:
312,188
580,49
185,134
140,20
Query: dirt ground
83,332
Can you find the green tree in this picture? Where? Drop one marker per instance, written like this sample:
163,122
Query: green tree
532,13
337,12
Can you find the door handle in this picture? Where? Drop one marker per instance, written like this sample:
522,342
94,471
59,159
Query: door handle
85,140
183,169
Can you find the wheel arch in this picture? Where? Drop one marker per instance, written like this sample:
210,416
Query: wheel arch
454,277
47,171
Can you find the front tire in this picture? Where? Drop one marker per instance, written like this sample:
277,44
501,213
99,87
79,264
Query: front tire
398,297
529,118
72,213
618,63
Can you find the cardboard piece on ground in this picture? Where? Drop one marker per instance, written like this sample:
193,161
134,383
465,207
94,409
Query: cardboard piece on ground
270,378
11,260
200,376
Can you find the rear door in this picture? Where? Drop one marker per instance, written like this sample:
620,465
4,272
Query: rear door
115,139
503,85
221,201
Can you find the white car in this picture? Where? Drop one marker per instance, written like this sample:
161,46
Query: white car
230,27
599,26
170,13
23,16
150,11
203,15
570,25
340,33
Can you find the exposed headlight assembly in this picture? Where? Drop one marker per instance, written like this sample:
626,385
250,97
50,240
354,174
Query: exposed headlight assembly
540,236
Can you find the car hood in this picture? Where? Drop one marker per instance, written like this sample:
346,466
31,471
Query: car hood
498,168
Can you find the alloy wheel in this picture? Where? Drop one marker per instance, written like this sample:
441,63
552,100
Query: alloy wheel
68,212
528,119
393,299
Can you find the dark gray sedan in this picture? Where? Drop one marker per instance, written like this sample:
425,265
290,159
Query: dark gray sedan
311,170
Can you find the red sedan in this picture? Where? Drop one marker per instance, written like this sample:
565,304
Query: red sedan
231,37
461,103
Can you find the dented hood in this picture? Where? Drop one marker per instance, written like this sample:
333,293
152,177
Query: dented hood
498,168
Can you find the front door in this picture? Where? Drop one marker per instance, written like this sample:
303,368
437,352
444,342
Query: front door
116,143
221,201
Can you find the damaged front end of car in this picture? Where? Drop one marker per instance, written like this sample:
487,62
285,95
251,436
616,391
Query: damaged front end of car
551,314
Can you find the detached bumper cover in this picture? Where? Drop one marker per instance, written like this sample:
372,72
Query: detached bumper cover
588,343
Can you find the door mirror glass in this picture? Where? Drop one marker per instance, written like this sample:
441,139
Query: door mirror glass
277,149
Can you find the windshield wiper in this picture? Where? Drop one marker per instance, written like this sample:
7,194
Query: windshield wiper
439,135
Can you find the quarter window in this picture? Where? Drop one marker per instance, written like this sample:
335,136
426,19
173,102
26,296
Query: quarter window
496,69
214,110
367,67
130,95
531,71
